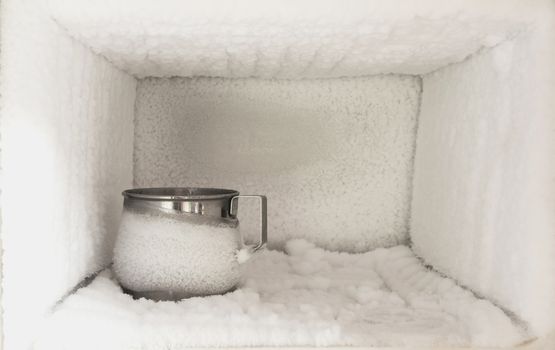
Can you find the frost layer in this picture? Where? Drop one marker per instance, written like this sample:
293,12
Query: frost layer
160,252
308,296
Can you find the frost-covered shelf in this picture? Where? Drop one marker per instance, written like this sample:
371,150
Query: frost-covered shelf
304,297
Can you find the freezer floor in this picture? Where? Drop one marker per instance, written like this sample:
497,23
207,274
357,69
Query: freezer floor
305,296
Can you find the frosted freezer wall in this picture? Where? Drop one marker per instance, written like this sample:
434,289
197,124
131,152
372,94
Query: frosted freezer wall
67,133
334,156
484,190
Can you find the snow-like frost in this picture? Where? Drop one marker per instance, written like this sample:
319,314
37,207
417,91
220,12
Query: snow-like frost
307,296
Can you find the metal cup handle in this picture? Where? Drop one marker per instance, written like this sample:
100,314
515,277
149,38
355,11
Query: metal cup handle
263,217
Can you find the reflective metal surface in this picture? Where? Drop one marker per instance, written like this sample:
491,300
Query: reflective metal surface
214,202
166,295
263,217
179,193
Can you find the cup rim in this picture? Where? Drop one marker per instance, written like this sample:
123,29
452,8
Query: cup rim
179,193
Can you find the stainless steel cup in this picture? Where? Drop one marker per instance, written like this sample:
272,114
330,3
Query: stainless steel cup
178,242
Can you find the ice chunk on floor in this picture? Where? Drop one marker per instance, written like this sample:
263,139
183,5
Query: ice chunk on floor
304,297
